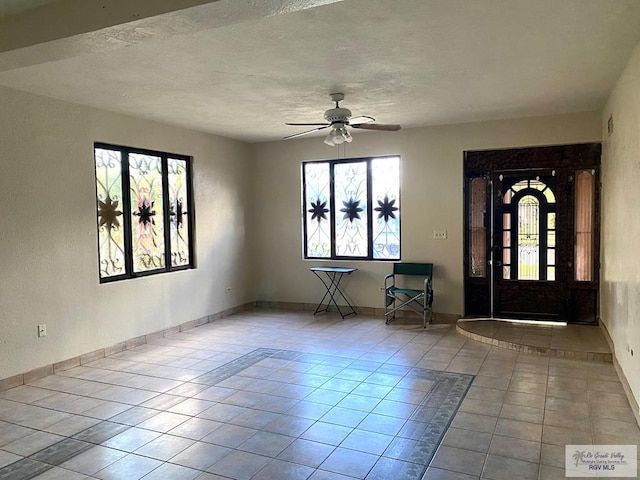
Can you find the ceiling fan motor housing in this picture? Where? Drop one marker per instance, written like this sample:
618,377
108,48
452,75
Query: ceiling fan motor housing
337,115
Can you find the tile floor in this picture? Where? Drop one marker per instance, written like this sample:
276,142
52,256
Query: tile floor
283,395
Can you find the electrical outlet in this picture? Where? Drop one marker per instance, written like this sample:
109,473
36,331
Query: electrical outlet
42,330
440,234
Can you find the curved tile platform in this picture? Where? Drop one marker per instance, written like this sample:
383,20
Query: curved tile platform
579,342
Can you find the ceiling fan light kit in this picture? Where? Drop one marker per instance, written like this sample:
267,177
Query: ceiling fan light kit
338,119
337,136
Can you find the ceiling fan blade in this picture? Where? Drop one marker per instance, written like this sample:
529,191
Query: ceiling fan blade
377,126
307,124
361,119
305,133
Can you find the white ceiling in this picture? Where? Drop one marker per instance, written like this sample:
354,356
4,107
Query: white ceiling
235,69
13,7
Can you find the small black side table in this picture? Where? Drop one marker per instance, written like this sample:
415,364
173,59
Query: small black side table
332,285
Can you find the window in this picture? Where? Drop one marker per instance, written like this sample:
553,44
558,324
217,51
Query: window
529,232
584,225
477,225
145,212
351,208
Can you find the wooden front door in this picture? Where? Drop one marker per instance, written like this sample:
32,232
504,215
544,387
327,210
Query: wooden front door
532,233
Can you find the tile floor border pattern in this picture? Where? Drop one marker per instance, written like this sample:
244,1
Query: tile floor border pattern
428,423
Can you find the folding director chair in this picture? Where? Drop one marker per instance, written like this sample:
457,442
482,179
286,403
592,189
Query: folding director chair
418,300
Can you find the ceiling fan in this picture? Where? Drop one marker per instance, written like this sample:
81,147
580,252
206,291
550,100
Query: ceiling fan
338,119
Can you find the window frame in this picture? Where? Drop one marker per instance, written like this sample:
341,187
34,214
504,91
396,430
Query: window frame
370,210
126,217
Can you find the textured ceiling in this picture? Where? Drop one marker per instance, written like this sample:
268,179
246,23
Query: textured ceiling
238,70
12,7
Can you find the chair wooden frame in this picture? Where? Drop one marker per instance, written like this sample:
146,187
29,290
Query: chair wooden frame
418,300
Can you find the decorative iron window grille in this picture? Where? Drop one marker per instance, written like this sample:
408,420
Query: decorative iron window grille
351,208
144,210
529,232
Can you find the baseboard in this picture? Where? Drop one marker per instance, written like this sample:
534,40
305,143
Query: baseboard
439,318
623,378
311,307
40,372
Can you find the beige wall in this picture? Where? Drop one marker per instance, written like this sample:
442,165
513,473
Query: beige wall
248,227
48,244
620,283
431,195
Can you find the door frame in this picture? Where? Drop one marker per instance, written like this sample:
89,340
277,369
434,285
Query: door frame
563,160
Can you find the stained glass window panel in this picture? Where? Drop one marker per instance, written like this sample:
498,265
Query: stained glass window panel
551,238
506,221
477,227
551,220
537,184
178,183
551,198
506,238
144,212
529,231
350,193
351,208
385,178
317,209
110,222
551,273
584,222
528,238
147,223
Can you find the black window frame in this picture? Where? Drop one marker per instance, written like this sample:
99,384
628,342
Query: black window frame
166,213
332,207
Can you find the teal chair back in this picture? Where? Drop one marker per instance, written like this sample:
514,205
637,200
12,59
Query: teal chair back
421,269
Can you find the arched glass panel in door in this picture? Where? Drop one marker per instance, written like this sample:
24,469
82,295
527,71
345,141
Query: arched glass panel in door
529,232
